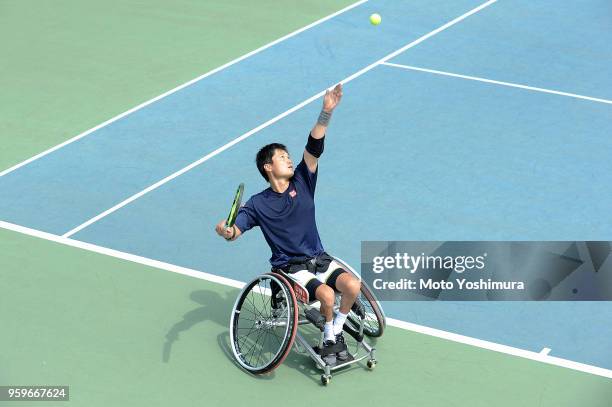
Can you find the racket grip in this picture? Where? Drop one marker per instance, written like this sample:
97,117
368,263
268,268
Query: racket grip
233,233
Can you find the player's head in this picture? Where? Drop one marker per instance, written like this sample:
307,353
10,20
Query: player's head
273,161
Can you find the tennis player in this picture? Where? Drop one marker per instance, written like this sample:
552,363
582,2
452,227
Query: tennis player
285,212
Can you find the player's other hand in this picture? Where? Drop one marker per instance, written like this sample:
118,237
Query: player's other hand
223,231
332,98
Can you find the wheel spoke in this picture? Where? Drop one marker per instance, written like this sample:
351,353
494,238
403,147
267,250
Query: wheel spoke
260,333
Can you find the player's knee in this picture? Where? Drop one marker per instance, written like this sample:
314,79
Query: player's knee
325,294
354,286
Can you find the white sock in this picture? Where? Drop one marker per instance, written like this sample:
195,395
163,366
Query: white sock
328,332
339,323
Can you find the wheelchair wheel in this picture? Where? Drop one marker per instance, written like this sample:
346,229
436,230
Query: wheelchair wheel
262,328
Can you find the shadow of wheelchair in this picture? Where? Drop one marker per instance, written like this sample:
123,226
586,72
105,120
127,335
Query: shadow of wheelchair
217,308
225,345
211,307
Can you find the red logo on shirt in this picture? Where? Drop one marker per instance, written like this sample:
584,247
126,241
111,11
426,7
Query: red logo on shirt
292,193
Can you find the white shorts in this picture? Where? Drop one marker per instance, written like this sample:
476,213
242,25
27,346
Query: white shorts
311,281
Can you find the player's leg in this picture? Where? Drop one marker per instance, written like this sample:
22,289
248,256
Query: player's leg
326,296
349,287
365,308
316,290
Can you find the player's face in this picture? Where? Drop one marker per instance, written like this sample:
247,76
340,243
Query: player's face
282,166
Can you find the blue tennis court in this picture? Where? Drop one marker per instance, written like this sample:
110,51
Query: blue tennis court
460,121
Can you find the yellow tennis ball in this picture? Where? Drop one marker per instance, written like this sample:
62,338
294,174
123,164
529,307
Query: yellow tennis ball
375,19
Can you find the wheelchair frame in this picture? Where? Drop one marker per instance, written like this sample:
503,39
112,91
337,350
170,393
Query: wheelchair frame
306,313
319,362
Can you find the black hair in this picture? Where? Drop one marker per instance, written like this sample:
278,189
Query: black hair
264,156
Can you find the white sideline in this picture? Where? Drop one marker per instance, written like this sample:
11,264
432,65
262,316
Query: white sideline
509,84
508,350
122,255
539,357
272,121
163,95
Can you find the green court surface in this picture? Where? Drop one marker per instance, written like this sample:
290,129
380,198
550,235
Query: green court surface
120,333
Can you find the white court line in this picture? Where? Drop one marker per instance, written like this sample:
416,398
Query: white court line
191,82
272,121
510,84
121,255
545,351
508,350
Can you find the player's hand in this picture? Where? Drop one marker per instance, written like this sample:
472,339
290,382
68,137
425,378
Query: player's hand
223,231
332,98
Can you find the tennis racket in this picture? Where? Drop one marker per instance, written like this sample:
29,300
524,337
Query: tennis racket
231,218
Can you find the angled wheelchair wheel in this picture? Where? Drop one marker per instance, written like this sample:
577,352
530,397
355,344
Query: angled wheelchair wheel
366,306
263,328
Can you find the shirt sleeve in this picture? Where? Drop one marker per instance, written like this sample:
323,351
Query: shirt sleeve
303,174
247,217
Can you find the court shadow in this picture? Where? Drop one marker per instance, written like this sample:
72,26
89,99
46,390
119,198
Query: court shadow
225,345
294,360
217,308
302,362
211,307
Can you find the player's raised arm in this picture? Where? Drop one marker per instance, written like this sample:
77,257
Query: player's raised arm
314,148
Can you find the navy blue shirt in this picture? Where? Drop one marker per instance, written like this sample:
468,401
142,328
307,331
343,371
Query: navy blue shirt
287,220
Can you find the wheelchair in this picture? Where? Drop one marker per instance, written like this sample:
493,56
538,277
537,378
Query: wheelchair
266,315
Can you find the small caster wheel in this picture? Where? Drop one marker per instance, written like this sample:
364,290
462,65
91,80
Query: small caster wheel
371,364
325,379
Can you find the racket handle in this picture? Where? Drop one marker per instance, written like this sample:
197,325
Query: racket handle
233,233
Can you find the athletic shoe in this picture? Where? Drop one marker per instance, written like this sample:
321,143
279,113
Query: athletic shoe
343,354
278,308
330,358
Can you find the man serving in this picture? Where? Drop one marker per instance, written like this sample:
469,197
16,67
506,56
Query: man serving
285,212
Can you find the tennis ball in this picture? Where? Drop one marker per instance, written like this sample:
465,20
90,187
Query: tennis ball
375,19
